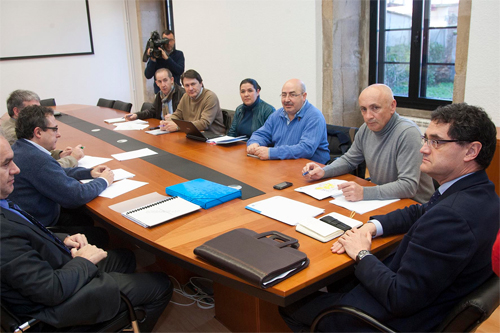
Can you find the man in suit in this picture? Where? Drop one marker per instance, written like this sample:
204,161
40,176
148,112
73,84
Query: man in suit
63,280
446,252
17,101
166,99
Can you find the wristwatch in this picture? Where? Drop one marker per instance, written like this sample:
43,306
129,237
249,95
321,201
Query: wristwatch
361,255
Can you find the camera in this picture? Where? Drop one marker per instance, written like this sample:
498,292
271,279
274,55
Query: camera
153,44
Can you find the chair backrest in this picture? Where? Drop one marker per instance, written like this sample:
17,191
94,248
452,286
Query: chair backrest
119,105
474,308
340,139
228,116
11,323
48,102
146,106
107,103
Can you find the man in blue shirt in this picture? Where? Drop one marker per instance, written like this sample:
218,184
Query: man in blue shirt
297,130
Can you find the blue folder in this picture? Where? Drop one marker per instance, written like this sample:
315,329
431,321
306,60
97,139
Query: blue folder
203,192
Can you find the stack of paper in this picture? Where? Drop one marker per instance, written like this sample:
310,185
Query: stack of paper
157,132
362,206
114,120
91,161
132,125
134,154
324,231
224,140
322,190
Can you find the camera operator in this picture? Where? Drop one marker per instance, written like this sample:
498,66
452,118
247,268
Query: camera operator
171,59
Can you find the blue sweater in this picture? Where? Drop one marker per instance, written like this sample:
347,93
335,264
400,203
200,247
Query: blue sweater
304,137
43,185
174,63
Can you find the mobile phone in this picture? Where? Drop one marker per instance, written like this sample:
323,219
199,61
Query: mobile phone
282,186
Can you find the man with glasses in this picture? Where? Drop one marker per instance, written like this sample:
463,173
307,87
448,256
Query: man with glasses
297,130
171,59
389,144
43,186
166,101
446,252
17,101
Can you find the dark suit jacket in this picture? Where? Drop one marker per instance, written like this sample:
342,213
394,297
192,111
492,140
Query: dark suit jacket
42,280
156,110
445,254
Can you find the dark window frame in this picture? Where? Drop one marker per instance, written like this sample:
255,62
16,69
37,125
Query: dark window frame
416,88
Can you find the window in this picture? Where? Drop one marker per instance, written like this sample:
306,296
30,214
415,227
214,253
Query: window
412,50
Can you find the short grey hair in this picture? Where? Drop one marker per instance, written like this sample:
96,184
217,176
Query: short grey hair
18,97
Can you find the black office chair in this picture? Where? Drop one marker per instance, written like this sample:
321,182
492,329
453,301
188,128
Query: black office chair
466,315
146,106
340,139
227,116
106,103
124,319
119,105
48,102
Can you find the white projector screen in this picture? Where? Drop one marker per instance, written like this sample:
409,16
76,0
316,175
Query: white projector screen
44,28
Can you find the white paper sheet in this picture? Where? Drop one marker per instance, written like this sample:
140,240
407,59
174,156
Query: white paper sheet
362,206
157,132
134,154
91,161
118,173
121,187
322,190
114,120
130,126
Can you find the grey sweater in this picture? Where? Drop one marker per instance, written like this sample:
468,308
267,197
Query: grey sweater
393,159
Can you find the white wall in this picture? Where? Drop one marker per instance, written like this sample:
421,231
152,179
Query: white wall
482,86
78,79
227,41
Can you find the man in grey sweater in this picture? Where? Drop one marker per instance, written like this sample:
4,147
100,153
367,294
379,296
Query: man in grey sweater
390,146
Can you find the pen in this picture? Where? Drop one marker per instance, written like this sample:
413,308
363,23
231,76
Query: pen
153,128
82,147
305,173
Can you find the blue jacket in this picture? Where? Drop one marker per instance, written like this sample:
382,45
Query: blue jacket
43,185
304,137
260,113
174,63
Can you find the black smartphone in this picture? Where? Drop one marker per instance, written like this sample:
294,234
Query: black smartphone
282,186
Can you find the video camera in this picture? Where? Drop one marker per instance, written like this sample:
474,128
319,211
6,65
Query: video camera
153,44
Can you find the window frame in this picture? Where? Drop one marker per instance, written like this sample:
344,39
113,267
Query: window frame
377,51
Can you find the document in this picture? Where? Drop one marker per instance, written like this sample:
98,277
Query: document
134,154
322,190
118,173
224,140
121,187
284,210
114,120
91,161
132,125
157,132
362,206
325,229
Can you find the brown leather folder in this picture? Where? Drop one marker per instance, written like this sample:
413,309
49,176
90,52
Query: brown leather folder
263,259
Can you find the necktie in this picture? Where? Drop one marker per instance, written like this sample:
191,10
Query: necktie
432,201
38,224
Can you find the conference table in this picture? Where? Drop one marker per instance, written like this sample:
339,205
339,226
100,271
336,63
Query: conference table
239,305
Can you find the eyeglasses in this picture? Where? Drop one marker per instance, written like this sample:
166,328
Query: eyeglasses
55,129
435,143
292,95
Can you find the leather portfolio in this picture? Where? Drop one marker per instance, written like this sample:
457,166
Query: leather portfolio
262,259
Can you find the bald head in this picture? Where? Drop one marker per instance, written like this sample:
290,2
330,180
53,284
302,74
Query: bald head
377,105
293,96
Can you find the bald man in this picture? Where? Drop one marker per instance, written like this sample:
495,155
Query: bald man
297,130
390,145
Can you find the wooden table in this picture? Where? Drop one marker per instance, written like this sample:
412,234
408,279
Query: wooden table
239,305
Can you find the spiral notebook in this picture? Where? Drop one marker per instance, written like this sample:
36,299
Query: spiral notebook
160,211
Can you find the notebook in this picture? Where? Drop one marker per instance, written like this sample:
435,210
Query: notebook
160,211
327,227
194,133
285,210
204,192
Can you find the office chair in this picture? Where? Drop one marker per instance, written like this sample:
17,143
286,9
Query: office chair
119,105
340,139
227,116
146,106
107,103
124,319
48,102
465,316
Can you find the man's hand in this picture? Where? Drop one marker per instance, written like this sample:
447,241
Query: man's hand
368,230
314,171
90,252
251,149
262,153
130,117
76,241
66,152
78,153
163,53
167,125
352,191
98,170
